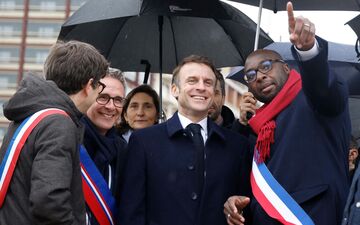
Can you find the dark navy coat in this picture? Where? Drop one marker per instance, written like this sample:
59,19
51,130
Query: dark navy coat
159,185
310,155
352,208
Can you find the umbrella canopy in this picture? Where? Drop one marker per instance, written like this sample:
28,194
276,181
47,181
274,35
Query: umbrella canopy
127,31
355,25
342,59
280,5
354,108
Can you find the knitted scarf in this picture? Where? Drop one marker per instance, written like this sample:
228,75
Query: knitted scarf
263,122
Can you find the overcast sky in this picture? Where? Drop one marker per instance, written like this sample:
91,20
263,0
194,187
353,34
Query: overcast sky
329,24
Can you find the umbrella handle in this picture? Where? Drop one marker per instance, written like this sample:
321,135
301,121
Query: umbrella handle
147,70
256,44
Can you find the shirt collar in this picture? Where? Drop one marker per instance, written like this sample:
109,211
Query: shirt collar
185,121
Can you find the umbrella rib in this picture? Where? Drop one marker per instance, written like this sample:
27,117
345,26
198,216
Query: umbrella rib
174,42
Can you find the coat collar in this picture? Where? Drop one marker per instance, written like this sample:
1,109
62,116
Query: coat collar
174,126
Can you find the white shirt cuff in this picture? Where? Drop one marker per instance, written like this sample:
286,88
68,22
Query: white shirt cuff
309,54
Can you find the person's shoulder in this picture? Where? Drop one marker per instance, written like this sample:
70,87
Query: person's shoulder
229,134
151,131
233,134
58,123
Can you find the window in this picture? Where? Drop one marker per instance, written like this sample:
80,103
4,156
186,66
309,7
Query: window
9,28
8,80
9,5
2,101
36,55
2,132
9,54
47,5
51,6
43,29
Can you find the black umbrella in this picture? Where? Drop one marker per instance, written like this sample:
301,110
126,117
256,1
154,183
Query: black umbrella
355,25
163,32
354,108
342,59
127,31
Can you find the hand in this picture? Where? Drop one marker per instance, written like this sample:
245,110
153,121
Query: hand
301,30
233,209
247,104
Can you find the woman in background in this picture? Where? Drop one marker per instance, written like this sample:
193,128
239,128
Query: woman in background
140,110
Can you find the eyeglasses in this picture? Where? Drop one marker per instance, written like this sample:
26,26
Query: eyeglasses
103,99
102,86
264,67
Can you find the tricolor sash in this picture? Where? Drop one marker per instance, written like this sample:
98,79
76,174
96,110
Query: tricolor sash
16,144
273,198
97,195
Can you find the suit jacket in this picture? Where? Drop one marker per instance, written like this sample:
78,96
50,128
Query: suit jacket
160,179
310,155
352,207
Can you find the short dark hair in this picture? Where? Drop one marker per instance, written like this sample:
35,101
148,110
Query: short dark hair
192,59
72,64
123,127
221,79
353,143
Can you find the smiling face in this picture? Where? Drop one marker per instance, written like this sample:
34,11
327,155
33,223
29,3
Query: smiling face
266,86
141,111
195,90
105,116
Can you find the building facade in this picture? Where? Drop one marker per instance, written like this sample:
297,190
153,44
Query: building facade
27,30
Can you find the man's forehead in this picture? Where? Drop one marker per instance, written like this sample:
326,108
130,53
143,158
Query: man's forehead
260,55
264,53
194,68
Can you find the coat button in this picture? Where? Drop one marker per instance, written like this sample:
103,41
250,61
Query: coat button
194,196
191,167
357,205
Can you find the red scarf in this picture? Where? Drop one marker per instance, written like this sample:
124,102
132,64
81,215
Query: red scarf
263,123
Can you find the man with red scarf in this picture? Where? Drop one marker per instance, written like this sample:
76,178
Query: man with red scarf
303,131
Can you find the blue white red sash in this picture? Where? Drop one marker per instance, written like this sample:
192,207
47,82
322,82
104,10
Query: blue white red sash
96,192
16,144
274,199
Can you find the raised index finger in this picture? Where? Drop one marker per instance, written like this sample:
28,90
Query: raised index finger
291,17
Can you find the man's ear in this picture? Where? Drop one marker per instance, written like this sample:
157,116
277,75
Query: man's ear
88,87
286,68
353,154
175,91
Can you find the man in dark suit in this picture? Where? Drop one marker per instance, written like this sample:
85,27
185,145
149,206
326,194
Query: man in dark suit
169,177
303,132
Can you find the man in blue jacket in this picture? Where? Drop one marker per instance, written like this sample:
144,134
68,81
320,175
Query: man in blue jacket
300,169
172,177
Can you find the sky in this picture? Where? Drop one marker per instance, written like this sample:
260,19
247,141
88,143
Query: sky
329,24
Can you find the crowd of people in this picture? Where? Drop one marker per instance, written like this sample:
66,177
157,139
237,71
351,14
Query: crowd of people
79,150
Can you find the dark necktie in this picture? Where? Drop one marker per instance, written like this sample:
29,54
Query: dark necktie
195,133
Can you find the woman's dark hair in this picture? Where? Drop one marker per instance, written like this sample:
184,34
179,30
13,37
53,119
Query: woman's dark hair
123,126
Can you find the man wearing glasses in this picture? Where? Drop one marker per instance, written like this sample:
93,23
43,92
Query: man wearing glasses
44,185
104,148
299,169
